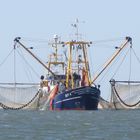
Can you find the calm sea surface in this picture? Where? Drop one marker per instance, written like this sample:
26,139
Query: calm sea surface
70,125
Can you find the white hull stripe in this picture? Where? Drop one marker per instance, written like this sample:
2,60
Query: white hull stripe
68,99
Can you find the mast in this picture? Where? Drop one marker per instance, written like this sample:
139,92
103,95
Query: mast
128,40
75,25
55,56
56,50
77,58
69,68
44,65
84,61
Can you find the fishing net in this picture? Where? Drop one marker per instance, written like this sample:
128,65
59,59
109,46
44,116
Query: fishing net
19,97
103,104
125,95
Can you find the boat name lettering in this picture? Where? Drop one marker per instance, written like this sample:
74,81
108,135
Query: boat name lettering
68,94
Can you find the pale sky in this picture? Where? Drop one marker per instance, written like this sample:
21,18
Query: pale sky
103,19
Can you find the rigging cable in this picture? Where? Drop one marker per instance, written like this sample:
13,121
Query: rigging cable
35,40
136,55
22,56
14,65
108,40
101,66
4,60
14,71
116,69
28,72
130,65
120,65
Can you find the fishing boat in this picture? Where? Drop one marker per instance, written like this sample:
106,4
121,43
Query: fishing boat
70,90
68,84
76,89
76,92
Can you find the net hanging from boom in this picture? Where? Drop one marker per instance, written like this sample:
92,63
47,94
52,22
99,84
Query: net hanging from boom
19,97
125,95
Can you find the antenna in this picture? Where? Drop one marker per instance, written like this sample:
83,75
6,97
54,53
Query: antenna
76,26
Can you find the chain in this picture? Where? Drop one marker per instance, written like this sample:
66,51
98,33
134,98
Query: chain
18,108
123,101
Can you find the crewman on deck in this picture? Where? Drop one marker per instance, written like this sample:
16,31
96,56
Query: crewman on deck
44,85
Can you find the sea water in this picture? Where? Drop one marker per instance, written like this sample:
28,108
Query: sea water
70,125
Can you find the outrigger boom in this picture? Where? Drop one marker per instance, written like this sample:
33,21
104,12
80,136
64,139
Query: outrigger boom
128,40
44,65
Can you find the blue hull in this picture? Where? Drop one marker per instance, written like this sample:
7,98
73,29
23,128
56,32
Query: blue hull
83,98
